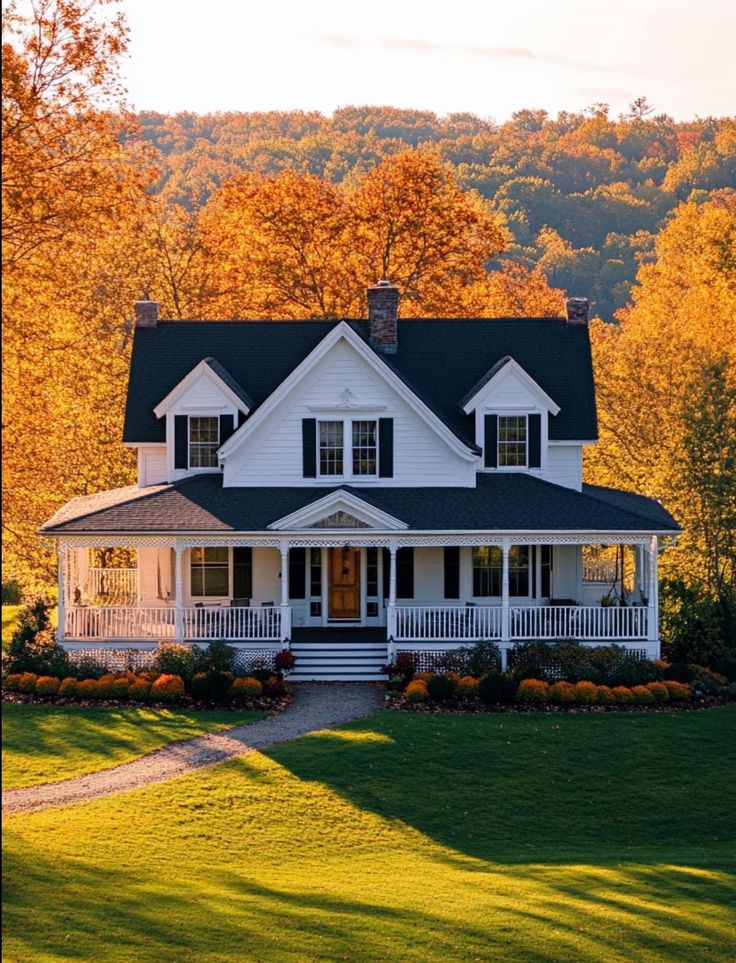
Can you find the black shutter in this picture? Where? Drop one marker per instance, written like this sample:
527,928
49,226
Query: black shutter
546,587
490,441
452,572
181,441
535,441
309,447
242,572
386,447
227,427
297,572
533,568
405,573
386,573
241,417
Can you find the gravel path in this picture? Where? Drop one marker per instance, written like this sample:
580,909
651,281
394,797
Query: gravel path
316,706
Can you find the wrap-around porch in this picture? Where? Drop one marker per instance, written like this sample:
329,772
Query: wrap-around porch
423,591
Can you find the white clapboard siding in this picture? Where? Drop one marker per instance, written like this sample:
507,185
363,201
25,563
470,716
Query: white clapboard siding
565,466
152,465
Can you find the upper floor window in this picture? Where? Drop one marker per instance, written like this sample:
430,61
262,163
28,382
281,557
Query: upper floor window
365,447
512,441
330,448
204,440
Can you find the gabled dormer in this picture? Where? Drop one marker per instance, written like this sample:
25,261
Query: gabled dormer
511,418
202,411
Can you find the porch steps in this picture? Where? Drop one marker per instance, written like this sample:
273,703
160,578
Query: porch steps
338,662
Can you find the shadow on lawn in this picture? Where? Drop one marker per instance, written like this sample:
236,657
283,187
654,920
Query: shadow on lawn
539,788
83,912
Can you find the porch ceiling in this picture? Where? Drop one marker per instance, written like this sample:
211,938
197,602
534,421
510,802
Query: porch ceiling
504,502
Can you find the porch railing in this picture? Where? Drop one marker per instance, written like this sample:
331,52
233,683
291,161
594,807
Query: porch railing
584,622
605,571
456,623
119,622
420,623
114,583
232,624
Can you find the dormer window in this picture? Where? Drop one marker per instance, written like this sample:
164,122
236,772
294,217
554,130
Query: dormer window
204,440
512,441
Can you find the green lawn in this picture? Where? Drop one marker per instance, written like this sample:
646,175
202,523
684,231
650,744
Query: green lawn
45,743
402,837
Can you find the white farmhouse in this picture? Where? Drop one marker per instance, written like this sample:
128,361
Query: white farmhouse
354,488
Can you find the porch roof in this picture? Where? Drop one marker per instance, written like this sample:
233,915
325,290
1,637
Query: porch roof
512,502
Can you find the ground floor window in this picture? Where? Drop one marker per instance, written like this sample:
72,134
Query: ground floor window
210,572
488,571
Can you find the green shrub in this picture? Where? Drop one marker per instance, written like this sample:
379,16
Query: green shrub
586,693
173,658
217,657
47,685
604,695
167,688
87,667
467,687
274,688
642,696
87,689
476,660
11,682
27,682
243,690
211,686
680,672
695,627
726,665
33,646
707,681
532,691
659,690
562,693
139,691
622,695
68,687
441,687
416,691
497,687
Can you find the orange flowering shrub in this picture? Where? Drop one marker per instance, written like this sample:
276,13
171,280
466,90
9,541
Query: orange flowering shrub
622,695
416,691
642,695
532,690
242,690
11,683
467,687
167,688
562,693
113,685
27,682
586,693
139,690
87,689
47,685
68,687
147,676
423,676
678,690
658,689
604,695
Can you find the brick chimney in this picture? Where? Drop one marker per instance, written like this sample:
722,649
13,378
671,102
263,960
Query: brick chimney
146,314
383,314
577,310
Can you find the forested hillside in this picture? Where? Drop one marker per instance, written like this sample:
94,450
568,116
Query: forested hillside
582,194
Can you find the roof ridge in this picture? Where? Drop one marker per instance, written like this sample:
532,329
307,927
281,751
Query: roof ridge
621,491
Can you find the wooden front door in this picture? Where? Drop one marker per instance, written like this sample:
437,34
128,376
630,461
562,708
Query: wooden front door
344,583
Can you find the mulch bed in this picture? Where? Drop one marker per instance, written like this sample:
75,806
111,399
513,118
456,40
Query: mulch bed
272,706
477,707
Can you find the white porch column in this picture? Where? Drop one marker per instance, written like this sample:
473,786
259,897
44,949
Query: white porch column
62,552
285,610
505,615
653,596
391,610
178,593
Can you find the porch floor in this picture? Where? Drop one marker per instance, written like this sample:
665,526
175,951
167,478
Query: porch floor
338,635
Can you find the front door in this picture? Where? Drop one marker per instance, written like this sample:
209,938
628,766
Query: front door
344,583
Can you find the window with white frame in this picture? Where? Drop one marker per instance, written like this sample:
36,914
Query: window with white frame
488,571
365,447
204,440
331,448
512,441
210,572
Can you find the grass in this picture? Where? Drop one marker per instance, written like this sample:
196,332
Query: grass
45,743
529,838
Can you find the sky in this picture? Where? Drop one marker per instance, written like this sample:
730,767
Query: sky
487,57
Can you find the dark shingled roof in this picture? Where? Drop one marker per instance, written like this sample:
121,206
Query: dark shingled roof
224,375
500,502
441,360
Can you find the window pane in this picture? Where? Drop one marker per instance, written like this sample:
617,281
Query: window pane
365,435
330,448
215,581
215,556
204,440
512,440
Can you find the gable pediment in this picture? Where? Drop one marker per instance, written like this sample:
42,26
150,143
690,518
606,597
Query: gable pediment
507,378
338,510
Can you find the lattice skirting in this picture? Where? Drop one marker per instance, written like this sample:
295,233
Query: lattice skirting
431,660
134,660
428,661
